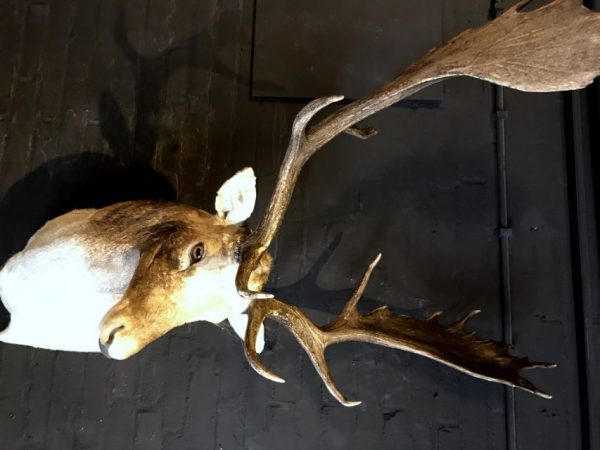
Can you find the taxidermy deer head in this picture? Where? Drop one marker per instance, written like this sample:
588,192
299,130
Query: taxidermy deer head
129,273
135,270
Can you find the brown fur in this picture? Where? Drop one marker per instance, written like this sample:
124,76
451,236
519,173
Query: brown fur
163,232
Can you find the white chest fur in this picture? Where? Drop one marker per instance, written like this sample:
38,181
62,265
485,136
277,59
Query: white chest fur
57,295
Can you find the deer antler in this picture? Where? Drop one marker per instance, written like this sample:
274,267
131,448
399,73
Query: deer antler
553,48
448,344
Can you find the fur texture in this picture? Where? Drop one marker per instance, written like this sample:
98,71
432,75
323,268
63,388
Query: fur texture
124,274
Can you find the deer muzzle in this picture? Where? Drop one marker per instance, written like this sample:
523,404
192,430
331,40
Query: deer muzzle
115,343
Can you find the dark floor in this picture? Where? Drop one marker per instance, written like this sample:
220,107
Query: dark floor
102,101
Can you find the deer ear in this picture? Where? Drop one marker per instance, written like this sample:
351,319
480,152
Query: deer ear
235,199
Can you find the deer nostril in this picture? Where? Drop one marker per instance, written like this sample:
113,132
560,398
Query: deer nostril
111,337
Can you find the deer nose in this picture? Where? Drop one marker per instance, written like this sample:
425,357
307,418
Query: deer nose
104,346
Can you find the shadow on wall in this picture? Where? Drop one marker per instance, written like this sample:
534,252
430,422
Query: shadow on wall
400,211
93,180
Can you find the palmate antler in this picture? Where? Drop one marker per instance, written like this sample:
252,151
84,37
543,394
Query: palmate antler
553,48
448,344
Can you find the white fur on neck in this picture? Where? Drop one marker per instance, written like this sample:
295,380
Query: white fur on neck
57,295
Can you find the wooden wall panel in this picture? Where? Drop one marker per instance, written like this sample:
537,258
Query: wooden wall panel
105,101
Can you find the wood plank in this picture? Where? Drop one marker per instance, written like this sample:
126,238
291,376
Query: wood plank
543,308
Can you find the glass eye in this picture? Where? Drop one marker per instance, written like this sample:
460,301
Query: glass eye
197,253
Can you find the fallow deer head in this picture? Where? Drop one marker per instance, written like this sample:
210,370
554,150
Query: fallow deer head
187,265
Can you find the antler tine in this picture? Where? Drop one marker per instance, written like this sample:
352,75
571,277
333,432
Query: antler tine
311,338
449,344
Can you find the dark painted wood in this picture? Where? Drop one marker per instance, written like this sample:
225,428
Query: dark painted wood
101,101
315,47
541,279
582,137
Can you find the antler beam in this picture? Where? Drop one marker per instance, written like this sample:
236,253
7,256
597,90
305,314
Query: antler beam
553,48
448,344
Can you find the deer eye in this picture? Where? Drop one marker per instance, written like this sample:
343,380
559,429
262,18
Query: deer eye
197,253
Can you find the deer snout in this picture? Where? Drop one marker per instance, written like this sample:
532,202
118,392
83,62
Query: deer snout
105,343
116,343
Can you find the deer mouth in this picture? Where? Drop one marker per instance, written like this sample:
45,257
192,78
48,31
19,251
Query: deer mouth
238,250
237,253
